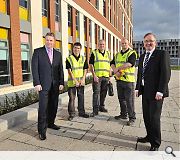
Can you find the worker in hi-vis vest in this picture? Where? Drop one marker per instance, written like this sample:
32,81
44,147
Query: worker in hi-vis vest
101,71
123,65
77,66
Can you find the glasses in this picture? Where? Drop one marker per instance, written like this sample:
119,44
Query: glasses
149,41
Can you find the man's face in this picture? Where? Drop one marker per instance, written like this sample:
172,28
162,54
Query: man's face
125,44
49,42
76,50
149,42
102,45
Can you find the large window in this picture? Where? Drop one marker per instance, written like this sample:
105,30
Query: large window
23,3
77,23
25,60
97,4
4,63
57,12
3,6
25,56
69,20
85,28
104,8
23,9
45,8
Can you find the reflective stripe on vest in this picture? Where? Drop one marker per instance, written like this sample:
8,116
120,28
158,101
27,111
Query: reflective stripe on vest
76,69
101,64
128,74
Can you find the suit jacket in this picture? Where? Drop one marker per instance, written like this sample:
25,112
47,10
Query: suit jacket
44,73
156,75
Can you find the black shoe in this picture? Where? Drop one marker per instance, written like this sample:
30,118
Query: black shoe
53,126
154,149
70,118
93,114
120,117
131,122
42,136
84,115
102,109
143,139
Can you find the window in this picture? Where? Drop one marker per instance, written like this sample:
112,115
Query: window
85,28
69,15
23,3
104,8
3,6
97,4
4,63
25,60
57,10
90,39
69,20
45,8
25,57
77,20
23,10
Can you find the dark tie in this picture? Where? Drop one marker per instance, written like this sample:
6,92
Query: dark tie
145,63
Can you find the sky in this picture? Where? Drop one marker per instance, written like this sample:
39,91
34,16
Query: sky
162,17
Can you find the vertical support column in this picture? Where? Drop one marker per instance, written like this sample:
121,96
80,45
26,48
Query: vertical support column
52,15
73,25
15,49
93,35
81,36
101,6
65,52
112,46
107,41
36,24
88,42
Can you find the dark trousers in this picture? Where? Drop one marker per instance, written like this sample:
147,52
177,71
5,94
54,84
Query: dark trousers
48,104
151,114
125,91
99,93
72,94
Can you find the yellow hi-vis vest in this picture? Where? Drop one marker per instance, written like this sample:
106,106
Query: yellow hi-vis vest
101,63
128,74
76,68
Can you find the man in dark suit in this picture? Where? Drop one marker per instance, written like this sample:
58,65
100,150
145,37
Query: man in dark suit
48,79
152,82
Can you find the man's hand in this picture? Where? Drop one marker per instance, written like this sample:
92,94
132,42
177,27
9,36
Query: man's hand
136,93
77,83
82,82
118,74
158,97
115,70
61,87
38,88
96,79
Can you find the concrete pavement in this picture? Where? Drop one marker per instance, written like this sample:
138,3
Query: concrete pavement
18,130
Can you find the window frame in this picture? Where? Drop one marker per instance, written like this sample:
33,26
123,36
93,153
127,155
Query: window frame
8,62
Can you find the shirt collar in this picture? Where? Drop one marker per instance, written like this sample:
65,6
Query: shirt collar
48,49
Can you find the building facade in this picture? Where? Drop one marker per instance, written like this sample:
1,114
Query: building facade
172,46
24,23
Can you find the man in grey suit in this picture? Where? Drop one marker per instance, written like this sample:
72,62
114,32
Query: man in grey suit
152,82
48,79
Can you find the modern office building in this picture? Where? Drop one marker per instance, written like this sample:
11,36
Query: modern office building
24,23
172,46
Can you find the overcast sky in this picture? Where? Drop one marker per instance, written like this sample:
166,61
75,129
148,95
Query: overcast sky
158,16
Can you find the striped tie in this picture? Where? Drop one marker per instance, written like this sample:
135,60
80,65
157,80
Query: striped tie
145,63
